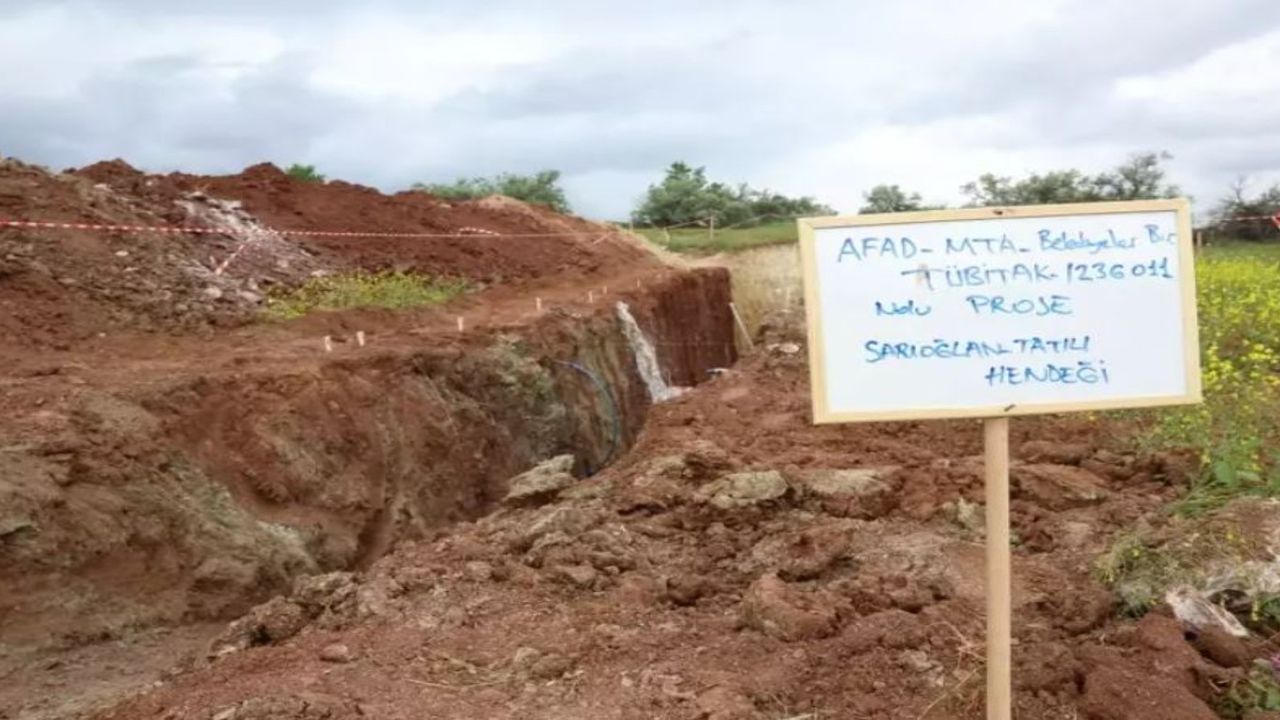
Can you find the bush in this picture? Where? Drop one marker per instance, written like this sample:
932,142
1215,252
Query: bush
686,197
1241,217
542,188
305,173
1256,691
890,199
339,292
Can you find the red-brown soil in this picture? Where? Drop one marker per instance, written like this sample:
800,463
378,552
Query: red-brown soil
63,289
284,203
638,595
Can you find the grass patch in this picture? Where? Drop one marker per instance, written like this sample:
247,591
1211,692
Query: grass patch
1236,431
700,241
1140,567
1258,690
767,283
392,290
1223,557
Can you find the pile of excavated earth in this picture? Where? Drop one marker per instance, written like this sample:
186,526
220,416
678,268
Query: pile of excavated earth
590,510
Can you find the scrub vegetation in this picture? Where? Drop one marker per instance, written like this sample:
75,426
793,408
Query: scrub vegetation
383,290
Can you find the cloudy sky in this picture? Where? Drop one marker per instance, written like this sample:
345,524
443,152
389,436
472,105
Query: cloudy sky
814,98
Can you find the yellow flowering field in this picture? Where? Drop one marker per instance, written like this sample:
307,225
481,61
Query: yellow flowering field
1237,429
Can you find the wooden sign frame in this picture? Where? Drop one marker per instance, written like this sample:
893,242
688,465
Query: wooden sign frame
1186,279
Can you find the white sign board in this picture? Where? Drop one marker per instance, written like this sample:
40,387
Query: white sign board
988,312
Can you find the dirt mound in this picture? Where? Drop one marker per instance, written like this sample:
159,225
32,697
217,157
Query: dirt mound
722,572
63,287
286,203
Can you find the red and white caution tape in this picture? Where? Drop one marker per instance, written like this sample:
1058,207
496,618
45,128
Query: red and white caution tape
477,231
250,235
222,266
1245,218
178,230
107,228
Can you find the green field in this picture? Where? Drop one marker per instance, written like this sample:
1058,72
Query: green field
701,241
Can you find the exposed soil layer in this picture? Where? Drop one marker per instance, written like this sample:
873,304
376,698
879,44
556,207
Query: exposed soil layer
738,563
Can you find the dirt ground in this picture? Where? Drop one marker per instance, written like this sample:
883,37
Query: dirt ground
738,563
204,516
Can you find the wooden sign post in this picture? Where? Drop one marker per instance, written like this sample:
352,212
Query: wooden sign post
995,446
994,312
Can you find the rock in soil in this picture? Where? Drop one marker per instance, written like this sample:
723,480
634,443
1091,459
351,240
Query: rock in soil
583,576
686,588
739,490
1222,647
479,570
1126,693
1059,487
542,482
860,492
336,653
726,703
783,612
550,666
1048,451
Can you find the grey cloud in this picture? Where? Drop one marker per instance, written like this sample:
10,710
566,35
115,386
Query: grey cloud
1070,66
165,113
738,87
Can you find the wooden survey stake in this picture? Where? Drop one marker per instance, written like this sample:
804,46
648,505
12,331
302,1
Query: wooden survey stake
994,312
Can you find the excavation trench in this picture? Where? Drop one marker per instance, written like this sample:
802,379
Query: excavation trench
195,499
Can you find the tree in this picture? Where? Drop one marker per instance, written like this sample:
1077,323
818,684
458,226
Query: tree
541,188
766,204
1240,217
889,199
305,173
686,197
1140,177
1057,186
